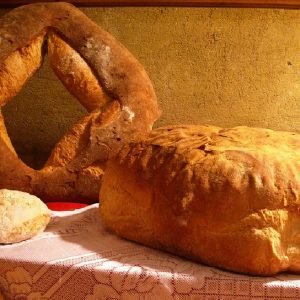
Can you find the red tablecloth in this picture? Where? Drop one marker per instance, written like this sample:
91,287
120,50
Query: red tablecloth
62,206
76,258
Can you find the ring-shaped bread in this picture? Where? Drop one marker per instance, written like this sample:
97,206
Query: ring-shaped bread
100,72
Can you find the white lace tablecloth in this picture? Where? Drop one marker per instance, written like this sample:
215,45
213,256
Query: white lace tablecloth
75,258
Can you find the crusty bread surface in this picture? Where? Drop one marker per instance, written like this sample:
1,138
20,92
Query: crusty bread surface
4,134
22,216
95,68
224,197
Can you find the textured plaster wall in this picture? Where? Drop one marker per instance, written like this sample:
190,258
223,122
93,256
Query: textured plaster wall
209,65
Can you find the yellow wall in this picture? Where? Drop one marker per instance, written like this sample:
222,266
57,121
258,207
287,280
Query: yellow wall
209,65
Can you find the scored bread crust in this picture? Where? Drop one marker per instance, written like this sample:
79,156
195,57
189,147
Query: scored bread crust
225,197
100,72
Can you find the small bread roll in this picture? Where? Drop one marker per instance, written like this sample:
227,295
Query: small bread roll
22,216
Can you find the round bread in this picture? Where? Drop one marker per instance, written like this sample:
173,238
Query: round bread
225,197
22,216
107,80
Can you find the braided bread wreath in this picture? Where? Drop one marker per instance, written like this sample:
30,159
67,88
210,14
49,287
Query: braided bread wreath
95,68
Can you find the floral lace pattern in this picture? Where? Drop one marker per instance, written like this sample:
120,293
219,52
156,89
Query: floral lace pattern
76,258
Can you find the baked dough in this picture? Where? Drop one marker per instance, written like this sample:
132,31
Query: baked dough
100,72
22,216
224,197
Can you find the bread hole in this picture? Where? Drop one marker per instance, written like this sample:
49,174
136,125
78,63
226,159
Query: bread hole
39,115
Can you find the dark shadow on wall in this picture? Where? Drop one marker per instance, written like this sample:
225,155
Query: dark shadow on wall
36,118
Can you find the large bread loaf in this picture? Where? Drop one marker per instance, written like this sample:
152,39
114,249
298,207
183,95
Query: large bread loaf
225,197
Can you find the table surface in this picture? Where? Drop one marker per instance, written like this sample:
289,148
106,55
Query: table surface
76,258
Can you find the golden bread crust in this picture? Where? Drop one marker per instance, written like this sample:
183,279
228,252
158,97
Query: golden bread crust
108,81
19,66
225,197
75,73
4,134
22,216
